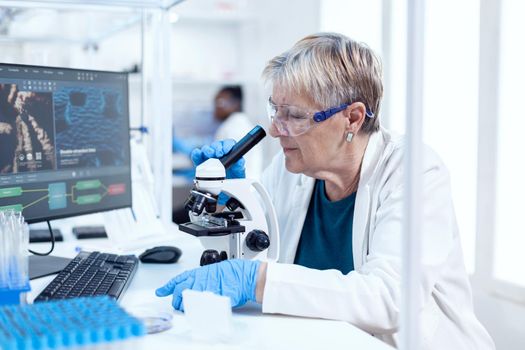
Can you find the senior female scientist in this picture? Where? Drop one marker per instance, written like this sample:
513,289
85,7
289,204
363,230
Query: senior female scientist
337,187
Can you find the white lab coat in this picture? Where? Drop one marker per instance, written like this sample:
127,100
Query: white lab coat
236,126
369,297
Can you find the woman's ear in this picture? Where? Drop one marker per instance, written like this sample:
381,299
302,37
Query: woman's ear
355,114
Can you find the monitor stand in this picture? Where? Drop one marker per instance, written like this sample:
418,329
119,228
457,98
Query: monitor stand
41,266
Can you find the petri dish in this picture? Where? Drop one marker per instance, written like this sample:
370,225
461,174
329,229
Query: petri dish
154,320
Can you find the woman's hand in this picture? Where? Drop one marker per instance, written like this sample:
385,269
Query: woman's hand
234,278
216,150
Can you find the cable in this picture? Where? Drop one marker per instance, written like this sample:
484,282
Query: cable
52,242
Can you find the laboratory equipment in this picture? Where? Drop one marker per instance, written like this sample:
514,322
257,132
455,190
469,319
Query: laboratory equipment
90,274
14,241
86,232
155,318
39,235
248,228
78,323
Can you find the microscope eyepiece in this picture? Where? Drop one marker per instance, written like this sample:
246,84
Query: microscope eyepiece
243,146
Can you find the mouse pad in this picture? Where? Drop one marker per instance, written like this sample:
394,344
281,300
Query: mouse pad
41,266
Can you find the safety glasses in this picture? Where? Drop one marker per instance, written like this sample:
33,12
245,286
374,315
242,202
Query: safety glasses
295,121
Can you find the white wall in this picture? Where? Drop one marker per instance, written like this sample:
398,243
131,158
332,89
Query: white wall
278,26
503,319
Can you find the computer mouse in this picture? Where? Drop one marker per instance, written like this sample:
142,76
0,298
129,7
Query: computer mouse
161,255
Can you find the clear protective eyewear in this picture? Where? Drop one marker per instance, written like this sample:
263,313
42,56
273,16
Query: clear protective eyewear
295,121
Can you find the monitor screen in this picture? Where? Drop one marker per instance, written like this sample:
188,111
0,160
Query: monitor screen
64,141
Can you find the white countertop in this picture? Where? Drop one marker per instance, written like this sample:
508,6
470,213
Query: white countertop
252,329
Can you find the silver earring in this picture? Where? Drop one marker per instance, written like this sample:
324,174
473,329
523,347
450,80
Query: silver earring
349,137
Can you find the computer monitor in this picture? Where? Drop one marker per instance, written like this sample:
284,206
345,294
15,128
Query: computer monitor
64,141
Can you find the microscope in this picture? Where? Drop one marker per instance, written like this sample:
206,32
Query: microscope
246,228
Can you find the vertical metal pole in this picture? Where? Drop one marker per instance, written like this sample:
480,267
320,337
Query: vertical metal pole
411,273
386,43
161,116
489,49
143,80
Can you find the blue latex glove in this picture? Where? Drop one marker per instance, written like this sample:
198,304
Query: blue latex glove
216,150
234,278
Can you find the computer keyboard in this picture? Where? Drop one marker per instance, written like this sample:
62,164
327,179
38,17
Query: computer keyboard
90,274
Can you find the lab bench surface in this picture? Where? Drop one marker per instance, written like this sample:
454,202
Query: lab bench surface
252,329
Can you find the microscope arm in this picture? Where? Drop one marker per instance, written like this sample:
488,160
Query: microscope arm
241,189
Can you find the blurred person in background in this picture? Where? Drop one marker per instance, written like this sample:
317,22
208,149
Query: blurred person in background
234,124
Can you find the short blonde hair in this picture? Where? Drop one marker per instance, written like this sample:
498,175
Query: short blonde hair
331,69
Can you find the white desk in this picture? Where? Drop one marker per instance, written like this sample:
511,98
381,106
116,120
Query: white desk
253,330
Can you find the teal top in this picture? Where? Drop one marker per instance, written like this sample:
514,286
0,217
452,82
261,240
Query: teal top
326,239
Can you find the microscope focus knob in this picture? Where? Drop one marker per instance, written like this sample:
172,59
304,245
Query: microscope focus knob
224,255
211,256
257,240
